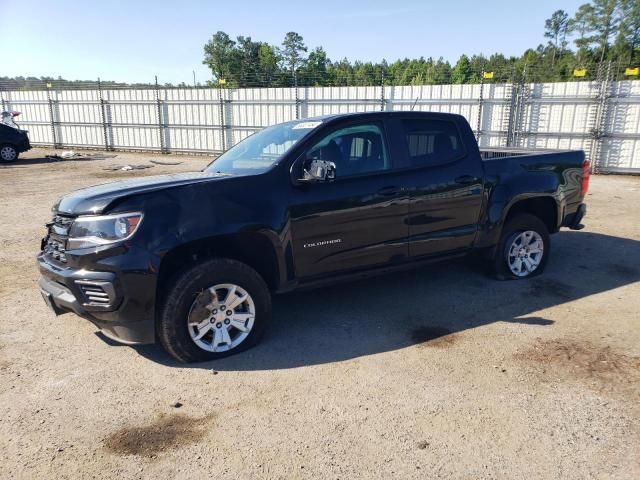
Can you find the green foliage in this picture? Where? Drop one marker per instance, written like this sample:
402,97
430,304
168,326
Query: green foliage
556,28
600,30
293,49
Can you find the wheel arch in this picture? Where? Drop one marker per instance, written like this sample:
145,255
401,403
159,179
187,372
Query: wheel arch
545,207
254,249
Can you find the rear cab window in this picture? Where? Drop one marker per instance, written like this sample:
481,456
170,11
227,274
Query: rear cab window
432,141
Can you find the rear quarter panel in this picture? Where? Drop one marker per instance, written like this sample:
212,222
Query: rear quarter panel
556,175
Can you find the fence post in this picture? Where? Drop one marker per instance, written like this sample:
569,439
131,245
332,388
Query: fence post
103,117
52,120
513,109
295,89
600,119
160,122
382,99
480,100
223,131
524,91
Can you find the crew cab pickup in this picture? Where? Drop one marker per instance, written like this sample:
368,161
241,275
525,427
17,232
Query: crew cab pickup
191,260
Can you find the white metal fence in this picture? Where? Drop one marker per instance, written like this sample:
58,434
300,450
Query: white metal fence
600,117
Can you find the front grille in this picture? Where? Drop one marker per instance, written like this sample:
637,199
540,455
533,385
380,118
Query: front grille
96,293
54,246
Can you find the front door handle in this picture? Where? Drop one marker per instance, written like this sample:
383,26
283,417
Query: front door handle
466,179
389,191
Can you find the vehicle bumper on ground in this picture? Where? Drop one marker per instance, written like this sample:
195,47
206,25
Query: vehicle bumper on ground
573,219
100,298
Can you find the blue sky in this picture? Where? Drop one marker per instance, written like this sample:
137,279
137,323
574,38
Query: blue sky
135,40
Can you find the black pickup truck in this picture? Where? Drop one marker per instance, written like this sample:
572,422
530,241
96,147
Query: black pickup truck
190,260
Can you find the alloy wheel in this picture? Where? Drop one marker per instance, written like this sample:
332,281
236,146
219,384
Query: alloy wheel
524,252
8,154
221,317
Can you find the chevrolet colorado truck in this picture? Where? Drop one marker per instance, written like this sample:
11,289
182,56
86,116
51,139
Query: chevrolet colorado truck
190,260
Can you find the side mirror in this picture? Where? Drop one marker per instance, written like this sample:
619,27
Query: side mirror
318,171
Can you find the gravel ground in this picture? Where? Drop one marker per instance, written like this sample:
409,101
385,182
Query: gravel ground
439,372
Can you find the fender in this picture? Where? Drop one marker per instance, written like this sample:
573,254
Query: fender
513,189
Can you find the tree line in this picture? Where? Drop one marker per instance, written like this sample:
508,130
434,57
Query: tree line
599,31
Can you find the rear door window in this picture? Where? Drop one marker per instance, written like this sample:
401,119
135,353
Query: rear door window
432,142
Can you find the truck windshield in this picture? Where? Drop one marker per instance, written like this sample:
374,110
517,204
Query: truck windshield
260,151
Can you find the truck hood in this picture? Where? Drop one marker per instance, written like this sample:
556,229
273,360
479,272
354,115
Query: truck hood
94,200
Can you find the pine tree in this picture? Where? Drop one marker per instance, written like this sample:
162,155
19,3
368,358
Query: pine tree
293,50
556,30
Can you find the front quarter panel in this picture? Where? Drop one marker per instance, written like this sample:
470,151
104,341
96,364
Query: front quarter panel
204,211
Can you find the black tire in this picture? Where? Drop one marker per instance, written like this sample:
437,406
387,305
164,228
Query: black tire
516,225
7,151
171,326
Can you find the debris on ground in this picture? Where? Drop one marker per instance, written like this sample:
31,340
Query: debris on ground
127,168
158,162
71,155
176,404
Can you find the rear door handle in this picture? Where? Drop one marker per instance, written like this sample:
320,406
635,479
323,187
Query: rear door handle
389,191
466,179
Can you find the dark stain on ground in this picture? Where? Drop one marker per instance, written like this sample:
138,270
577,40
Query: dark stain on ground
165,433
434,336
601,366
543,287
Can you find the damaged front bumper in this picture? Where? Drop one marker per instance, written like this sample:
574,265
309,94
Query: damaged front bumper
100,298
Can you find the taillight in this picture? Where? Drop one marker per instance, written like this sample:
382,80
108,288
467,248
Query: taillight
586,173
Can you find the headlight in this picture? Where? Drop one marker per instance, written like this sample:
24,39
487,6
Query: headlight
93,231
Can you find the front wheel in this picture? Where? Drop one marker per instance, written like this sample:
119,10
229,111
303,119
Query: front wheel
213,310
523,249
8,153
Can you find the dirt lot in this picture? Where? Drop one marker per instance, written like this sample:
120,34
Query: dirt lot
440,372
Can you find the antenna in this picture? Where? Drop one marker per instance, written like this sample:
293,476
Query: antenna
414,103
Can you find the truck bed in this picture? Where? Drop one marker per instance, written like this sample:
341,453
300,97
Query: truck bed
493,153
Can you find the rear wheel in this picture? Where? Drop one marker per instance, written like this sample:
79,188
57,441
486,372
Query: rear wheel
213,310
523,249
8,153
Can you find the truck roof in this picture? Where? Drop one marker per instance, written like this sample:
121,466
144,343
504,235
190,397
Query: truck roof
385,114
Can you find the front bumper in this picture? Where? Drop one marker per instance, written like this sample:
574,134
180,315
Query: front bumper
120,304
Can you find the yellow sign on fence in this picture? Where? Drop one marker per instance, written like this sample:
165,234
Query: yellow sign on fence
632,71
580,72
488,75
221,81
